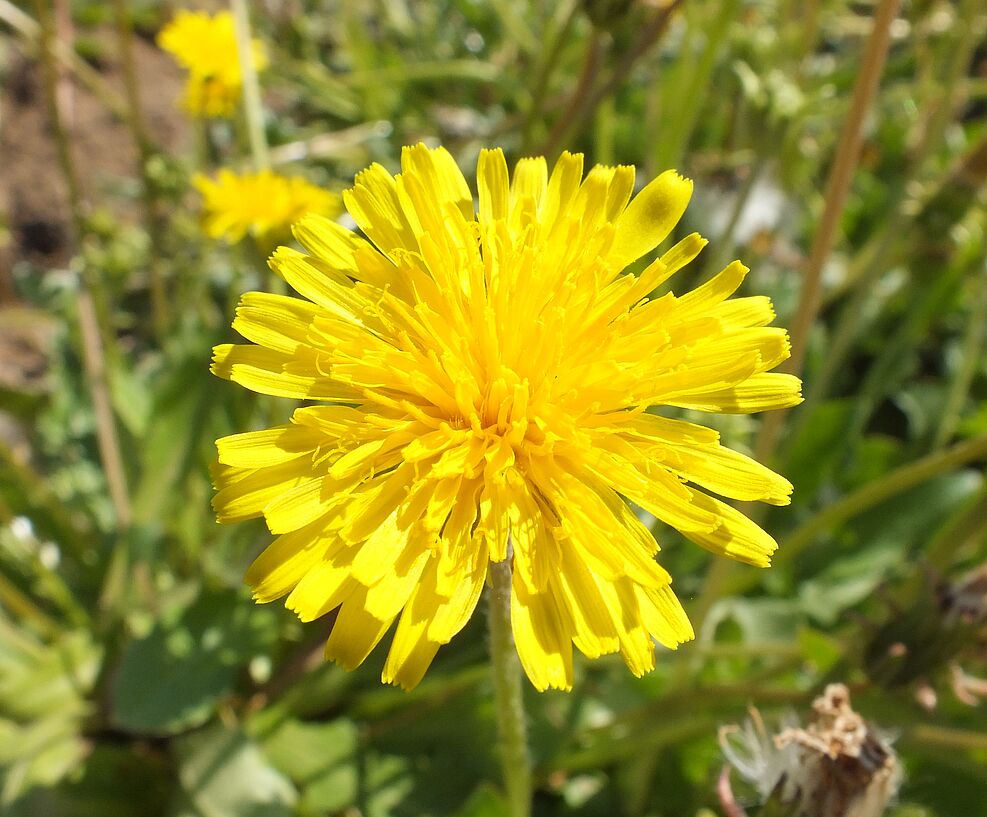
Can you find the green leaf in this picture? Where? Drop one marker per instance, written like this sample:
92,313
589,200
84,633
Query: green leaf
223,772
321,758
173,678
37,754
486,801
761,621
38,680
113,782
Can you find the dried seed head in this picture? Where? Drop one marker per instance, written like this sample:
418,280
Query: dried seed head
837,765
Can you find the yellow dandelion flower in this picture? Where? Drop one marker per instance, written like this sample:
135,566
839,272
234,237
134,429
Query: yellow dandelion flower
484,381
264,204
205,46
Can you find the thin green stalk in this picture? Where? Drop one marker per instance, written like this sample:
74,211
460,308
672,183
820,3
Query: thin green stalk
673,719
93,339
724,246
884,250
365,79
585,98
145,151
515,19
928,736
837,189
962,533
691,85
252,109
543,76
894,362
508,698
575,111
722,579
604,127
25,611
894,483
969,357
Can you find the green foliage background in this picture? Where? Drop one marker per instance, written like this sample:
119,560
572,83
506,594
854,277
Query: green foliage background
137,677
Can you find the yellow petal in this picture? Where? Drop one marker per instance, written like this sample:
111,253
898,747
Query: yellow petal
544,648
730,474
760,392
717,289
325,586
735,536
493,185
454,610
650,217
439,174
355,633
576,589
272,446
264,371
663,616
331,243
243,493
389,595
376,207
283,563
563,186
300,505
412,651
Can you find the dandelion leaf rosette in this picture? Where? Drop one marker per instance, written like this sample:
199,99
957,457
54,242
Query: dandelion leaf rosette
481,383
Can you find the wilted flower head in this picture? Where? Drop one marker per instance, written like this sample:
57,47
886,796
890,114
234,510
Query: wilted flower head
205,46
263,205
486,383
836,766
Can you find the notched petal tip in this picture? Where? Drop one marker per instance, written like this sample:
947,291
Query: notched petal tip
220,365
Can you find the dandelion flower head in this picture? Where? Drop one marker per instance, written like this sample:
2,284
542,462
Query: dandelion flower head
263,205
486,382
205,46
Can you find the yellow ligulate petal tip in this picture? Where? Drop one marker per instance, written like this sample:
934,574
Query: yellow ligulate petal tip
650,217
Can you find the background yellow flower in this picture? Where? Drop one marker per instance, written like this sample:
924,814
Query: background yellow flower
263,205
205,46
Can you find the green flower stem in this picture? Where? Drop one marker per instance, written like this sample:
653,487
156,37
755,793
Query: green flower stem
508,699
252,109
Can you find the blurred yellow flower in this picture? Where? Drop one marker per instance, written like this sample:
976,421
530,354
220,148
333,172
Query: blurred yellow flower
264,204
485,383
205,46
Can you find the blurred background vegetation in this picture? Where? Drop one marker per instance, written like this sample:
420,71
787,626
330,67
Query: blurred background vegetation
137,677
